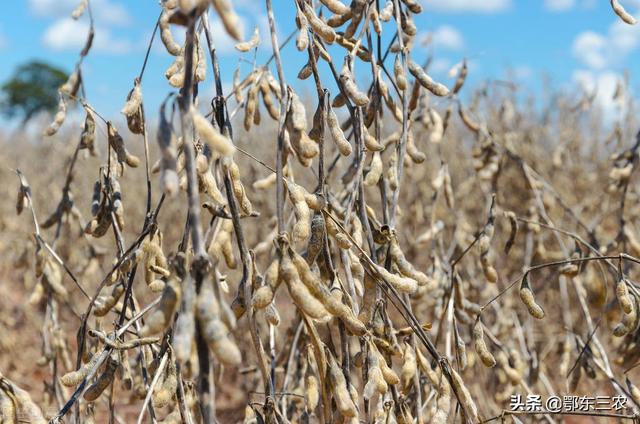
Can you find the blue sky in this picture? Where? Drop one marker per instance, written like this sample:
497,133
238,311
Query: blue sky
572,41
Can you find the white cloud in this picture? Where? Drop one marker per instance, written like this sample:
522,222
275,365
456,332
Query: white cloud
559,5
599,51
67,34
590,49
461,6
223,42
104,11
556,6
447,37
440,66
226,45
521,72
604,84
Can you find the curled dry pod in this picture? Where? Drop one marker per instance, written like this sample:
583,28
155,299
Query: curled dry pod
623,14
340,390
388,373
376,381
409,367
404,266
165,35
426,81
633,390
350,87
629,320
207,184
237,88
305,72
251,107
338,20
513,223
215,331
311,391
408,26
72,85
416,155
461,349
316,241
88,137
73,378
265,183
200,73
370,142
117,144
24,193
229,18
253,42
341,239
185,327
304,147
402,284
339,100
467,120
480,346
387,11
459,388
103,381
336,6
462,76
271,315
217,142
437,127
300,294
375,170
132,109
161,318
222,246
392,171
79,10
302,41
105,303
330,302
58,119
368,298
398,70
343,145
272,275
154,263
168,148
175,72
298,113
513,374
238,188
526,295
413,5
316,202
302,227
262,297
569,270
269,104
163,393
623,296
319,26
117,206
16,405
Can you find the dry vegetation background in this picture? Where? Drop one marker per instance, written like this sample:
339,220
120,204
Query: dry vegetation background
456,254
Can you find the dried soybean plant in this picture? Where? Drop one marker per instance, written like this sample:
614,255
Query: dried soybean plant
339,311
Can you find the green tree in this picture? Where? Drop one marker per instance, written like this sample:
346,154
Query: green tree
33,88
